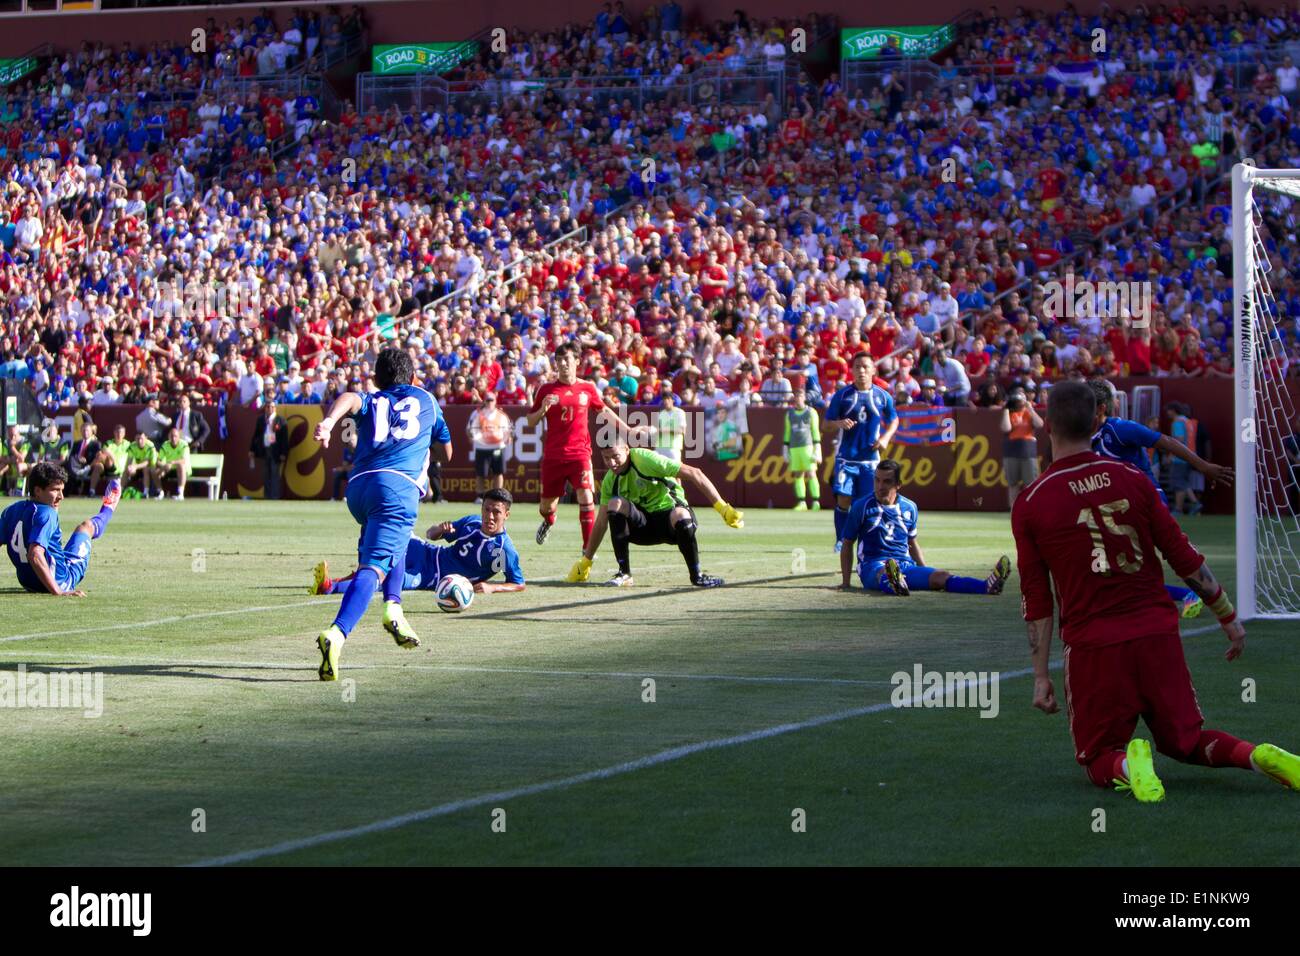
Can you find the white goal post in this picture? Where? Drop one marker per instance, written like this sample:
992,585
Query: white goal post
1268,529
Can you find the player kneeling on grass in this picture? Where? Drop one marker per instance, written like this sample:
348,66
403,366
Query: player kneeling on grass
889,558
34,542
642,503
1094,529
478,548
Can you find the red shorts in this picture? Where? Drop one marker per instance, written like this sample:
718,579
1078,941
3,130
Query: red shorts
1107,688
576,472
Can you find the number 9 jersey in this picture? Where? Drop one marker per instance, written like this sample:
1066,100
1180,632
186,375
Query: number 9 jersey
395,429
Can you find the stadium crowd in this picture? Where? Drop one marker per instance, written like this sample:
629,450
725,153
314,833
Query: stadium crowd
714,250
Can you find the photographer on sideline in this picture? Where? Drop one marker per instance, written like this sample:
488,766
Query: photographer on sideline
1019,447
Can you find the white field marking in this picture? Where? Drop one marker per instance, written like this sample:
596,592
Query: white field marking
604,773
459,668
95,629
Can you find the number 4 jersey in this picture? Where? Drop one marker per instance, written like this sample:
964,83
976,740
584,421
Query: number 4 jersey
1095,525
395,428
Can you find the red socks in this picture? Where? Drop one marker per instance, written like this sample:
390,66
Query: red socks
1106,768
1217,749
549,518
587,519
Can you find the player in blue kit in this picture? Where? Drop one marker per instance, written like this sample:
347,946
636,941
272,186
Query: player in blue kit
478,548
1128,441
395,428
863,413
889,558
30,531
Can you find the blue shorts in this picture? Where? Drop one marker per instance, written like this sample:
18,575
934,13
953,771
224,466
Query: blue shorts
386,506
853,479
69,571
917,576
423,566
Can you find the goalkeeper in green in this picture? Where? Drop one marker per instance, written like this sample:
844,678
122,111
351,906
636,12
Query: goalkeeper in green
642,502
803,452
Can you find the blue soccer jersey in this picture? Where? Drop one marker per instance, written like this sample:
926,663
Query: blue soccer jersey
1127,441
27,523
873,410
395,428
882,531
468,551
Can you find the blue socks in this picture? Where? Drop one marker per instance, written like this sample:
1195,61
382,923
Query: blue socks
393,582
100,521
841,515
360,590
1178,593
960,585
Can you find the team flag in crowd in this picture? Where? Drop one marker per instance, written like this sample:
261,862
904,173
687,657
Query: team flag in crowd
928,425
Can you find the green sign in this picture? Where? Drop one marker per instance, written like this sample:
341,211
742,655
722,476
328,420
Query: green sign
389,58
11,410
866,43
11,70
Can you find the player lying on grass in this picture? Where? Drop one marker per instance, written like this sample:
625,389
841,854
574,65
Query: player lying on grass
34,542
478,548
642,502
1097,527
1127,441
883,525
395,428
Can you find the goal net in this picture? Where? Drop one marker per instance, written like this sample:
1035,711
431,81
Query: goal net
1265,215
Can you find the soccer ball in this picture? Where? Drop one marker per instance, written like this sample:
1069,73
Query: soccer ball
455,593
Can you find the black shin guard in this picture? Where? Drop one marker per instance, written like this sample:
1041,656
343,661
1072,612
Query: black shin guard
620,534
686,544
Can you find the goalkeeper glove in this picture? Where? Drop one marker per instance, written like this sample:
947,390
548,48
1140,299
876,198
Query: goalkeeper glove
733,518
580,571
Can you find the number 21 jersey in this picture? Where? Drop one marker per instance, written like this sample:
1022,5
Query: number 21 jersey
394,430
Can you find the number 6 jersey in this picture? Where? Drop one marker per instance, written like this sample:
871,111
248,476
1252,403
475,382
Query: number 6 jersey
395,429
1095,524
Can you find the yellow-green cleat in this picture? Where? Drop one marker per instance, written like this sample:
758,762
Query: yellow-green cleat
1142,780
395,624
320,579
1192,606
997,578
1277,763
330,643
897,580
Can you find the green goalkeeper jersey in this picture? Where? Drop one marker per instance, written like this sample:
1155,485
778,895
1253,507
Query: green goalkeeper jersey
801,428
650,482
177,452
136,454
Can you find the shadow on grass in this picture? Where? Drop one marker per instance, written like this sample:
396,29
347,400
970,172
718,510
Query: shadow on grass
161,670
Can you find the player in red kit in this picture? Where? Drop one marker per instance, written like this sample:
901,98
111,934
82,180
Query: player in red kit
566,444
1098,528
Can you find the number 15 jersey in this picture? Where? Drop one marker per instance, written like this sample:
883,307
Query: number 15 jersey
1095,524
395,428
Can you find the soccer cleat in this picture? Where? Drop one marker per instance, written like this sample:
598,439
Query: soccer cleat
330,643
543,532
395,624
1142,781
619,580
838,546
897,581
1194,509
320,579
816,506
1192,606
1277,763
112,494
707,581
801,506
998,577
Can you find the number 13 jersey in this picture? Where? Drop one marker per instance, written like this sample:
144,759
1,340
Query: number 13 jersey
395,429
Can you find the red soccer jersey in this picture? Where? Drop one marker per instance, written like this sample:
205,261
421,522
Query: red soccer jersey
1095,524
567,437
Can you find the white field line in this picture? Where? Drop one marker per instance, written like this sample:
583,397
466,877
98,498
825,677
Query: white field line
604,773
303,665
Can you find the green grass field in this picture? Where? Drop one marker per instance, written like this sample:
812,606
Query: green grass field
771,695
